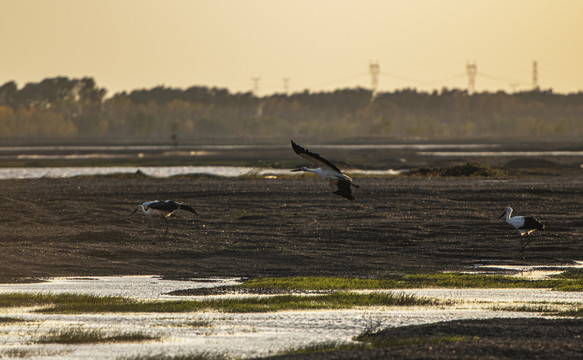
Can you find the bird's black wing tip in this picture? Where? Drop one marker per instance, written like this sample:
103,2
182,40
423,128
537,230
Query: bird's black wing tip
297,148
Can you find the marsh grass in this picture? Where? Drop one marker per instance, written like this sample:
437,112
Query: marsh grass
568,281
340,298
324,347
79,335
576,312
75,304
202,356
10,320
28,353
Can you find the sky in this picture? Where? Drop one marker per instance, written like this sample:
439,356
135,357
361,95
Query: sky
316,45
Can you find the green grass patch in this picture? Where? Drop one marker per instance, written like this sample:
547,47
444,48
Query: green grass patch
75,304
90,336
568,281
320,283
74,300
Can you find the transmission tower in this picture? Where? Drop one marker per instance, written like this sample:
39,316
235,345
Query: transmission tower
375,70
286,86
256,85
471,70
534,75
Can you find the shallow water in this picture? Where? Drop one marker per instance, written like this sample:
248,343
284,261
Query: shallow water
234,335
161,171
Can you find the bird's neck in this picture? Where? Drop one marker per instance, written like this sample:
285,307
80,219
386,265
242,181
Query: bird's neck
315,171
508,215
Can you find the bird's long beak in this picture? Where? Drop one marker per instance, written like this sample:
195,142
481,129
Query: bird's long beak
300,169
501,216
133,212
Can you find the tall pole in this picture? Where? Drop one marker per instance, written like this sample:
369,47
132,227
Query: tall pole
535,75
375,70
286,86
471,70
256,85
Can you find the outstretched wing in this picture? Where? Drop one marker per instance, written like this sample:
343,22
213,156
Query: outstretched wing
312,156
166,206
341,187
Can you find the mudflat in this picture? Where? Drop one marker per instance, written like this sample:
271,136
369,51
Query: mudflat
253,227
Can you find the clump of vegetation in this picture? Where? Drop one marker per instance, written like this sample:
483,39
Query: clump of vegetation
10,320
320,283
29,353
202,356
324,347
467,169
90,336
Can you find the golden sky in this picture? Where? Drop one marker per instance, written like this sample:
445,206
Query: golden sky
317,44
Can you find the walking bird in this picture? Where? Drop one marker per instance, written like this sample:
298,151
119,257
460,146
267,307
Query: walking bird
524,224
340,183
162,208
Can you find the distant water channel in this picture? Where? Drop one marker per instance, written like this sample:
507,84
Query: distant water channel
11,153
159,171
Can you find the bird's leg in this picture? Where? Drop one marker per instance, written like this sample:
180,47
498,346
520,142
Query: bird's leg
167,223
523,247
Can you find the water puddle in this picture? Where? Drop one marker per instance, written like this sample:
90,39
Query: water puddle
234,335
530,272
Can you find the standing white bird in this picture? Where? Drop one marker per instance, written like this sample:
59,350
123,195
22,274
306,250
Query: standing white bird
524,224
162,208
339,182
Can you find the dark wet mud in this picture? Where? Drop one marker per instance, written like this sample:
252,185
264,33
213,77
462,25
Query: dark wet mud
282,227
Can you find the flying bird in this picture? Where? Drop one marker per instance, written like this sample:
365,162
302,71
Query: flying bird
524,224
162,208
339,182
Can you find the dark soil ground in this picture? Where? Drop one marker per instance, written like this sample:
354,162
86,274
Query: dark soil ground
472,339
254,227
282,227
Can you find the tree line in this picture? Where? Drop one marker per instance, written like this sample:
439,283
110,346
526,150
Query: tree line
77,110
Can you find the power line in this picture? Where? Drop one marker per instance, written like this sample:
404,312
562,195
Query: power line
347,78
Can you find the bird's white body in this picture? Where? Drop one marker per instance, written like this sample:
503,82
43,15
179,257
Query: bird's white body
328,173
162,209
154,212
520,222
524,225
339,182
